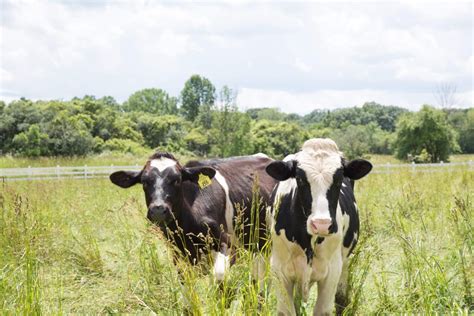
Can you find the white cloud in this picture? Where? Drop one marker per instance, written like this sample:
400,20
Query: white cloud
342,53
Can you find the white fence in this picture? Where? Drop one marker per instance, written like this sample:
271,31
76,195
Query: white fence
89,172
58,172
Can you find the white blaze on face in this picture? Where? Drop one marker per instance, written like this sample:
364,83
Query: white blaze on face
319,167
162,163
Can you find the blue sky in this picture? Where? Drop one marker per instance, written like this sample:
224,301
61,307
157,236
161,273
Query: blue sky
297,56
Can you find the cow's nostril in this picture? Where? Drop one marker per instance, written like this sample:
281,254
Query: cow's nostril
162,210
158,212
321,225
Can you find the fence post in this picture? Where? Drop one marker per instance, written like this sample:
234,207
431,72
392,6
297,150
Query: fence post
57,171
85,171
29,173
413,166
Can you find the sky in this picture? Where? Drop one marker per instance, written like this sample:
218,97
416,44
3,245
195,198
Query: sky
297,56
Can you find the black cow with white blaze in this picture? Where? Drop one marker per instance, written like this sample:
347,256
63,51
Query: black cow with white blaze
188,213
314,224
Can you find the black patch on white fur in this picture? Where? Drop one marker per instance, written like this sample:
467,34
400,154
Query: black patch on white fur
346,201
293,213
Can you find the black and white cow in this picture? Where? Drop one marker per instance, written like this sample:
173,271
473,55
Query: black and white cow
314,224
188,214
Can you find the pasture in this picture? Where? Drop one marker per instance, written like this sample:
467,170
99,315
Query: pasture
85,246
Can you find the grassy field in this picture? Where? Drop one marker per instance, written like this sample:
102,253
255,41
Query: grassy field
84,246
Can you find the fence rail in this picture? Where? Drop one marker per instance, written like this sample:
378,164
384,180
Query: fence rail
91,172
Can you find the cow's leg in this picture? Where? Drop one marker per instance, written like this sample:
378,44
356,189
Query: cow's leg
222,257
327,287
222,260
341,293
285,300
258,269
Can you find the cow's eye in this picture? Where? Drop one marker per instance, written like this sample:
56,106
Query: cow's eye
175,182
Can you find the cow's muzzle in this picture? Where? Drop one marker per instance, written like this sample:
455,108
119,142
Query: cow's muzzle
321,226
159,213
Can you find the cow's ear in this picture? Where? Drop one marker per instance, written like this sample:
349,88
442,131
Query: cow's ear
192,174
125,179
282,170
357,169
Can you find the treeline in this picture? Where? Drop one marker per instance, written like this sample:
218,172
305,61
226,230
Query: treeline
206,122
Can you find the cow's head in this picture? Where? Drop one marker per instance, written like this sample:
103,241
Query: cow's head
162,179
316,173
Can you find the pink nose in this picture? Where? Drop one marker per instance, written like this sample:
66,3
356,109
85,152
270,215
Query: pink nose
321,225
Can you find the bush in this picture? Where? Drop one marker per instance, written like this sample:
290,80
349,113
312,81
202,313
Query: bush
125,146
426,130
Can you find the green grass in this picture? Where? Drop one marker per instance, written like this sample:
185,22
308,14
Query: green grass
104,159
84,246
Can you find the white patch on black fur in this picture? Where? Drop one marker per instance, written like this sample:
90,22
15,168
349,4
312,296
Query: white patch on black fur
162,163
229,209
221,265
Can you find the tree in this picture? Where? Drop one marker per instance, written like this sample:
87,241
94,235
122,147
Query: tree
69,135
358,140
232,127
445,95
15,118
466,133
271,114
163,131
197,92
277,139
462,120
426,130
152,100
31,143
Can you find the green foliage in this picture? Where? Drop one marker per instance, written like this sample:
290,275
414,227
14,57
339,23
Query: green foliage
162,131
124,146
16,118
197,141
425,130
232,128
32,143
277,139
197,92
353,141
384,116
360,140
271,114
150,118
462,120
152,100
69,135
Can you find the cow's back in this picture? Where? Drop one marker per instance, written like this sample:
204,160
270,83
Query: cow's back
241,175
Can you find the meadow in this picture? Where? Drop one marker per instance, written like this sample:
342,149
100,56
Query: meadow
85,246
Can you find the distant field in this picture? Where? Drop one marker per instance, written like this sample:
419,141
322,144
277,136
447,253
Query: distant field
84,246
94,160
129,159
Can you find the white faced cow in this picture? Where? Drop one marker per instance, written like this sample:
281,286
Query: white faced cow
188,214
315,224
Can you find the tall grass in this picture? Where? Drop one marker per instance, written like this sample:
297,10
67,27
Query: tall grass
85,246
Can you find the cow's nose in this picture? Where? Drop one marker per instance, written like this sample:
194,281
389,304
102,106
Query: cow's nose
321,225
157,213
